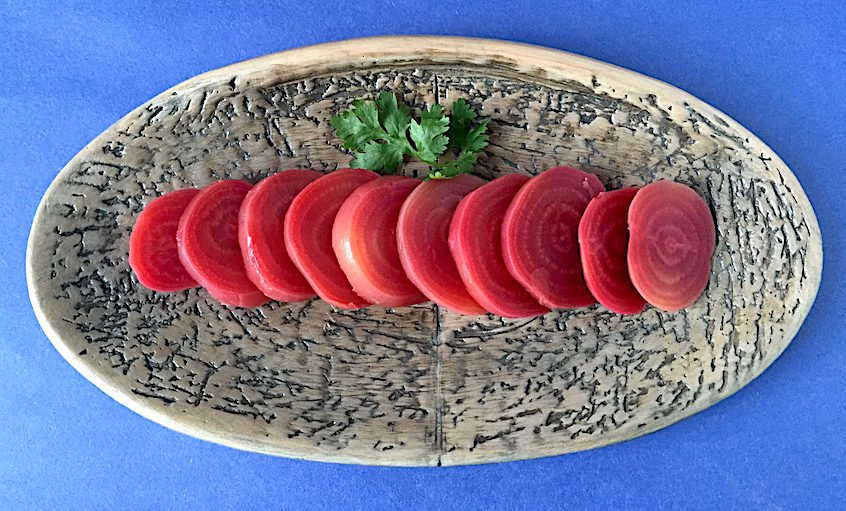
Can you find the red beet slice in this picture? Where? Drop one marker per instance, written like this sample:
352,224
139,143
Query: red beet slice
423,242
671,240
208,244
603,239
153,254
540,234
308,235
475,240
365,242
260,235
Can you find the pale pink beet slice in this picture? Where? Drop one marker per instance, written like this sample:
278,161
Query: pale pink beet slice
260,235
540,236
308,235
423,242
153,254
671,241
365,242
475,242
603,240
207,239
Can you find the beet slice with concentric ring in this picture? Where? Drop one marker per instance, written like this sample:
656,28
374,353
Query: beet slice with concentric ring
365,242
671,241
308,235
207,239
153,254
260,234
423,242
475,240
603,240
540,236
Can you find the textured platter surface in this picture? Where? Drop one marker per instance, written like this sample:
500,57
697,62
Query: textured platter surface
418,385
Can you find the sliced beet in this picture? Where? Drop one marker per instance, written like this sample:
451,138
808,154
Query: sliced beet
308,235
260,234
671,240
208,244
603,239
153,254
476,244
423,242
365,242
540,236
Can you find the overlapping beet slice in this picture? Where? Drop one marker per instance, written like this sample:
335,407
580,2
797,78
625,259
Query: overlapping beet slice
671,241
308,235
540,236
475,241
153,254
423,242
514,247
603,240
260,234
207,240
365,242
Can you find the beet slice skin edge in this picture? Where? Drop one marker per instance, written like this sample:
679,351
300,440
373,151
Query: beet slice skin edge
540,236
475,241
603,240
153,254
671,241
423,242
365,242
261,221
308,235
208,244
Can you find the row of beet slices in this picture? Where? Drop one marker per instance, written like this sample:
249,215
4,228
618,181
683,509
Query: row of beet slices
514,246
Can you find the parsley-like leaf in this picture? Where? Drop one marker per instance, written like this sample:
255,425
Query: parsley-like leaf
469,140
358,125
393,116
428,136
477,139
376,156
377,132
459,123
461,165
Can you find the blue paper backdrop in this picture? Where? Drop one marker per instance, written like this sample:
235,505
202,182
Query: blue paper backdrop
69,71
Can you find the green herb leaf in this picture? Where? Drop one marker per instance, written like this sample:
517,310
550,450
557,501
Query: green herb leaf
358,125
428,136
469,140
459,123
377,132
376,156
393,116
461,165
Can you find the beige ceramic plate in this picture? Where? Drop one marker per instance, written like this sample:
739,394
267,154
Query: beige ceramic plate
418,385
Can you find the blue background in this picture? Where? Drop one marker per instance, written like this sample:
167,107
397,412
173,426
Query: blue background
67,73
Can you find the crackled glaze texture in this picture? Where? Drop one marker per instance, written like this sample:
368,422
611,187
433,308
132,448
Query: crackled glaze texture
419,385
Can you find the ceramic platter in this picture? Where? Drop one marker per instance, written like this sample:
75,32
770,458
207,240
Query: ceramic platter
418,385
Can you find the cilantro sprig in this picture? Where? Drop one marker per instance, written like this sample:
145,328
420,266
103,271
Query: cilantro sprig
382,133
463,137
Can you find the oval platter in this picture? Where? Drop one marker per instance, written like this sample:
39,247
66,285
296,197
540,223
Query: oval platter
418,385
